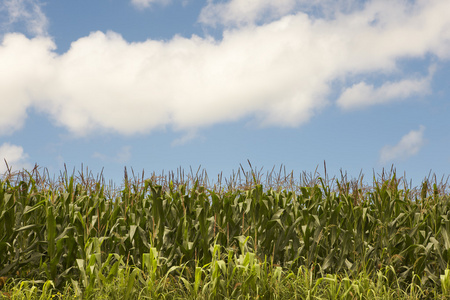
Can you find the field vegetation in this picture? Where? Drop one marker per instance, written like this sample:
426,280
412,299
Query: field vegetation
250,236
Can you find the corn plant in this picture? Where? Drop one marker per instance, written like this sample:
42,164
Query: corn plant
193,240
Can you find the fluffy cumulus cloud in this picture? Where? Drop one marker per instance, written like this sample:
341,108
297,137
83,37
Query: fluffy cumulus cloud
12,157
279,72
408,146
26,68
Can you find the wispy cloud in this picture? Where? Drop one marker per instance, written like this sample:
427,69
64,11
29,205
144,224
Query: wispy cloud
185,138
363,95
408,146
239,12
146,3
27,11
15,157
123,155
248,12
279,72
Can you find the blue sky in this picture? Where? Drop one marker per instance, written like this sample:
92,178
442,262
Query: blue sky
156,85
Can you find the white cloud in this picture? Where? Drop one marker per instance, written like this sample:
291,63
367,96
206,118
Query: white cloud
26,70
279,73
409,145
27,11
147,3
123,155
185,138
244,12
363,95
100,156
14,155
238,12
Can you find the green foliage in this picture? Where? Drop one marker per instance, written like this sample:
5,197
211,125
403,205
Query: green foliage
152,241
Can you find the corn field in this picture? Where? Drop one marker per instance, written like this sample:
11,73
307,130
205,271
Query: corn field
174,238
